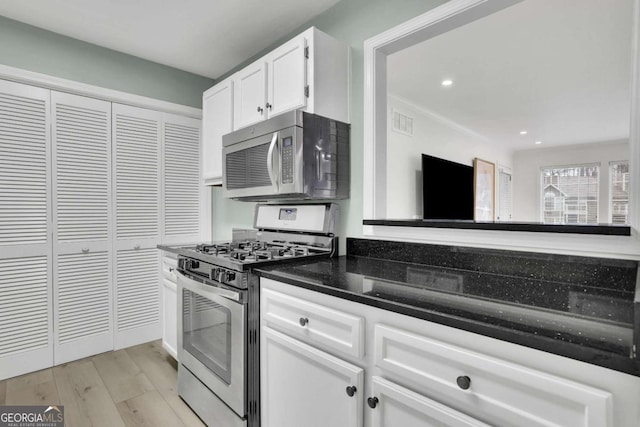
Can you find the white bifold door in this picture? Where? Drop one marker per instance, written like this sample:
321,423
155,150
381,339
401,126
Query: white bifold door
82,245
26,334
136,174
183,199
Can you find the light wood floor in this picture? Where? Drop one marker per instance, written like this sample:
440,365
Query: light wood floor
131,387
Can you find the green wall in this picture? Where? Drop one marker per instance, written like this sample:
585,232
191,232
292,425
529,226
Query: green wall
353,22
34,49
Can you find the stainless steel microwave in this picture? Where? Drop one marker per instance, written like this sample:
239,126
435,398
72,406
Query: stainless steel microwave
292,156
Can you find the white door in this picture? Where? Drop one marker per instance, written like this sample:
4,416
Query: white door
250,94
392,405
136,178
26,334
184,204
217,113
82,260
303,386
287,77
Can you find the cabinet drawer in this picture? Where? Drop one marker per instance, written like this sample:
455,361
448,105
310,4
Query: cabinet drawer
314,323
169,265
398,406
499,392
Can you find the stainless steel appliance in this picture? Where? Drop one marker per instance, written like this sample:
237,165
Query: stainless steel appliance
292,156
218,326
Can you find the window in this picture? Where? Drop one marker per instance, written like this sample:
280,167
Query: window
619,192
570,194
504,200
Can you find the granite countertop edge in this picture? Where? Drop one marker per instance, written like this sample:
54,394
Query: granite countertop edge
574,351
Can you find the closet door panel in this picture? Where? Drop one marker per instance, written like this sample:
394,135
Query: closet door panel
137,175
26,331
83,312
182,189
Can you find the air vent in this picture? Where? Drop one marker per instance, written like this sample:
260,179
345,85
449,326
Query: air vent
402,123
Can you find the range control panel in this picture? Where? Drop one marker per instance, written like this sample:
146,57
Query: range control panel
287,160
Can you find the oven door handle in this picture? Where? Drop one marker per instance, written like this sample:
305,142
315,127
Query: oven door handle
201,288
272,146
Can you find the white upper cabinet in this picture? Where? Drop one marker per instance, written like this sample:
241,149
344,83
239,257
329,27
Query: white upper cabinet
287,77
250,94
217,110
310,72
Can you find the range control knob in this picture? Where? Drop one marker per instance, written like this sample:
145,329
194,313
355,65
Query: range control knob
191,264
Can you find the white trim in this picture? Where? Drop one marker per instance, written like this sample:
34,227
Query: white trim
450,15
83,89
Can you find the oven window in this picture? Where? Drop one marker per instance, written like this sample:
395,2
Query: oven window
207,333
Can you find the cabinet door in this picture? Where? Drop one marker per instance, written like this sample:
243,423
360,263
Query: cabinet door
287,77
397,406
82,228
136,176
303,386
250,94
183,201
26,332
217,120
170,304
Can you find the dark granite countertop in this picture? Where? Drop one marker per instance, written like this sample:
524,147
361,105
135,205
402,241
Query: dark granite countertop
585,310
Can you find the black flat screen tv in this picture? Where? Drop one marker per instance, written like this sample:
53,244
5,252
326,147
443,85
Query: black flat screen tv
447,189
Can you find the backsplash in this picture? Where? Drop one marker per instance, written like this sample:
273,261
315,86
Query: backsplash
613,274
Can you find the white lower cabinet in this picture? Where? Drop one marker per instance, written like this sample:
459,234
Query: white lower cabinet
419,374
170,304
304,386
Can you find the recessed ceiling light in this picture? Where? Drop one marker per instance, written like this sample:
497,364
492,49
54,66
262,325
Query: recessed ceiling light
538,142
447,82
523,132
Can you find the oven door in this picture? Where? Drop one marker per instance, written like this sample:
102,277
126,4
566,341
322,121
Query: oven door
212,328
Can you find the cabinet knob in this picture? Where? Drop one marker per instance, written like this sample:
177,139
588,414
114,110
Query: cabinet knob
304,321
351,390
372,402
268,106
260,110
85,250
171,269
464,382
136,247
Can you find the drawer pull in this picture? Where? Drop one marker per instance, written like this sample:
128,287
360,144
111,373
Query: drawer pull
464,382
351,390
304,321
372,402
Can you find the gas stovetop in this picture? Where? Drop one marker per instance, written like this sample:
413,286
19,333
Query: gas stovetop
246,254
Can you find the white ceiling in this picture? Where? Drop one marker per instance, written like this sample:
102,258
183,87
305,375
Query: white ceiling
559,69
206,37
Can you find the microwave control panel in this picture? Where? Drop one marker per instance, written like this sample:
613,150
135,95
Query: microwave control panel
287,160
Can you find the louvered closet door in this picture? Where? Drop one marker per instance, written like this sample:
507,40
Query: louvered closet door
26,334
136,172
183,194
82,247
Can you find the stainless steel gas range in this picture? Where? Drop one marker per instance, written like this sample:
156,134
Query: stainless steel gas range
218,299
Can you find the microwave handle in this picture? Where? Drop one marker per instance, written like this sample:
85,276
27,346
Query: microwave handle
274,140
